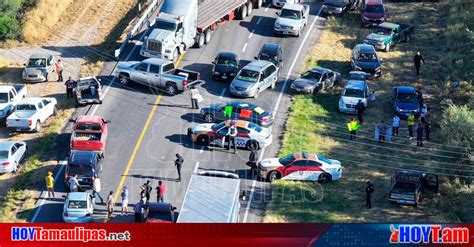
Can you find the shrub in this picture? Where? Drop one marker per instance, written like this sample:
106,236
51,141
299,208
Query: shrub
457,125
9,27
9,7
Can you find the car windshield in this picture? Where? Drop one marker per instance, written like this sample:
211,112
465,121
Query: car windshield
77,204
82,83
324,159
287,159
374,9
382,31
3,97
37,62
311,75
81,170
255,127
290,14
407,97
159,215
226,62
25,107
268,57
218,126
3,154
164,25
248,75
367,57
88,126
352,92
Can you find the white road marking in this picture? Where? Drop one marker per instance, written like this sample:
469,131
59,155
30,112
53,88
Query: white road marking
62,164
222,93
279,100
245,47
251,34
259,20
196,167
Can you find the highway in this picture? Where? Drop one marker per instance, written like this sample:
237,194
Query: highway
147,128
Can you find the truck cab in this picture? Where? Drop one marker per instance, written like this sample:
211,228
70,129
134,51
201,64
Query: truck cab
407,186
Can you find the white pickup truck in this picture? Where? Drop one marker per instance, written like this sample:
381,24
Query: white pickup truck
30,113
10,95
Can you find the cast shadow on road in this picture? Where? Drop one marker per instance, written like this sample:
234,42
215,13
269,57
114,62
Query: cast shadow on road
184,141
251,25
192,118
152,177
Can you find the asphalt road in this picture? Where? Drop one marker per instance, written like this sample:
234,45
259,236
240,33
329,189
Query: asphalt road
147,129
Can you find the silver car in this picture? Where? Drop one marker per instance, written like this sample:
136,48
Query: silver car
11,155
254,78
38,68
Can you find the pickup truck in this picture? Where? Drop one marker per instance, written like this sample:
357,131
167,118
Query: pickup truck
30,113
38,68
387,34
10,95
89,133
158,73
407,186
292,18
88,90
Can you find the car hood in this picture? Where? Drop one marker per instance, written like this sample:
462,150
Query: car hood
203,127
368,65
125,65
225,69
351,100
407,106
266,132
335,3
34,71
373,15
287,22
377,37
270,163
22,114
303,83
243,84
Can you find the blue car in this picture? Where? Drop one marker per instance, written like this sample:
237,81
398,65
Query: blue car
78,207
405,101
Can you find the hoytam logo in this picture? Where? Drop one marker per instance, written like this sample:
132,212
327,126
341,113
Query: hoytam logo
435,234
74,234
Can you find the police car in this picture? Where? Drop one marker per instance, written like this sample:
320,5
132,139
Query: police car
301,166
248,134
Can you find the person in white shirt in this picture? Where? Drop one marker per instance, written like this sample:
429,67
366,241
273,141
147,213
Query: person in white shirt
74,184
195,97
96,189
395,125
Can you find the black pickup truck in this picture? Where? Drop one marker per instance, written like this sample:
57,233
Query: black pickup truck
408,185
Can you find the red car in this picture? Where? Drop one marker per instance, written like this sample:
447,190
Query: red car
159,213
89,133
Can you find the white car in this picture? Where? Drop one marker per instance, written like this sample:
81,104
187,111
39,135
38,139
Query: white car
355,89
11,155
78,207
30,113
280,3
291,19
301,166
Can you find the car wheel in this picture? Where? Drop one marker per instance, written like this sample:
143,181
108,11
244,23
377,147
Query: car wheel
243,12
249,8
38,126
203,140
273,175
201,40
124,79
209,118
253,143
171,89
324,178
55,111
273,84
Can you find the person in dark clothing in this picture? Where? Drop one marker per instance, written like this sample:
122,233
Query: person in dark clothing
70,85
178,163
360,107
137,209
232,135
417,60
419,96
382,131
253,158
369,189
148,189
419,135
427,131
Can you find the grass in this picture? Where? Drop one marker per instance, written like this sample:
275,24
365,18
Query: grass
314,125
3,65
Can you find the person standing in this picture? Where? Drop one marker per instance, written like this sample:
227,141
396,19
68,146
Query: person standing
372,97
427,131
360,108
419,96
148,189
70,85
396,125
59,69
352,125
253,157
425,114
160,192
411,123
369,189
232,136
110,204
96,189
124,196
195,97
417,60
137,209
74,184
50,184
178,163
143,193
382,131
419,135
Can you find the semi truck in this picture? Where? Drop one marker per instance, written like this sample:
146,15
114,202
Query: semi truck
211,199
190,23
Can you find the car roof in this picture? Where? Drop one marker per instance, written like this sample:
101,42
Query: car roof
159,207
388,25
78,196
257,65
6,145
320,70
86,118
237,123
374,2
365,48
226,54
405,89
242,104
356,84
31,100
270,48
305,156
293,6
40,55
157,61
83,157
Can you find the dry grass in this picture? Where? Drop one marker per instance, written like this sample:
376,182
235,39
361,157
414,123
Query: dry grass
3,65
46,14
314,125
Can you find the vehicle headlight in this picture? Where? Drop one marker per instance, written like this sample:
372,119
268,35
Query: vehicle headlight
292,86
341,103
357,67
216,72
339,9
277,25
378,69
296,28
232,74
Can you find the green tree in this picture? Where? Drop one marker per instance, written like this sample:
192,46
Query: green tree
457,125
9,7
9,27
